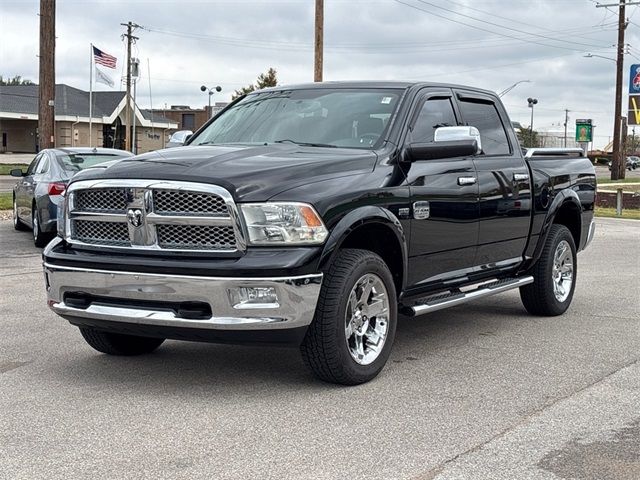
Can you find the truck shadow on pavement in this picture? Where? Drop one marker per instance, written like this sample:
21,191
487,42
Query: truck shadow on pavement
182,367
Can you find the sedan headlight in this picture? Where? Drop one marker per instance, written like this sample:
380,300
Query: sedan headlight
283,224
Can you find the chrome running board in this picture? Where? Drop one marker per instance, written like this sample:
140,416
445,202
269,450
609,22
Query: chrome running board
451,299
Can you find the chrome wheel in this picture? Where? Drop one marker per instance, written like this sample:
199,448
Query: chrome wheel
367,319
562,271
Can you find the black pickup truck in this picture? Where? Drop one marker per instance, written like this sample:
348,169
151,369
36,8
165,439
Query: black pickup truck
314,215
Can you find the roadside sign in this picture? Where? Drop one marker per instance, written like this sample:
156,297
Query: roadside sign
634,95
584,130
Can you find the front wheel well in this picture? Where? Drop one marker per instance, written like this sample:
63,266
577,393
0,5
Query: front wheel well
381,240
569,216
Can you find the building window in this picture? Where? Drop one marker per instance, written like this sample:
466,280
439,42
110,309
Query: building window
188,121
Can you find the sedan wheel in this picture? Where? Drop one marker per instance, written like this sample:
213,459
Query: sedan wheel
40,238
17,224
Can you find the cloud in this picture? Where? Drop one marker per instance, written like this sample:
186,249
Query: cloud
490,44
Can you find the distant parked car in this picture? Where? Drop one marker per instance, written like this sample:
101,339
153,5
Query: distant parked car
39,191
632,163
178,138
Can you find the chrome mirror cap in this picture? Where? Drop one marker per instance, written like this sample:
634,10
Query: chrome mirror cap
452,134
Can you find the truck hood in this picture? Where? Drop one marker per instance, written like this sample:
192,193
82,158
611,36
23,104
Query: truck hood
250,173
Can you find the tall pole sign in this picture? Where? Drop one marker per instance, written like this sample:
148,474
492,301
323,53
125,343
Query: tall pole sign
634,95
584,133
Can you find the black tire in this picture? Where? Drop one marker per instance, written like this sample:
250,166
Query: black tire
40,238
324,348
17,223
119,344
539,297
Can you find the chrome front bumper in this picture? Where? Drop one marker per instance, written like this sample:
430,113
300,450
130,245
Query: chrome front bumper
115,295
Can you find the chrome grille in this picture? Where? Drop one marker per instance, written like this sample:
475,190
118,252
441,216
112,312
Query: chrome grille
153,215
102,233
171,202
101,200
196,237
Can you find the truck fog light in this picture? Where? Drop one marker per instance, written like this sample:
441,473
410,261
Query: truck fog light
253,297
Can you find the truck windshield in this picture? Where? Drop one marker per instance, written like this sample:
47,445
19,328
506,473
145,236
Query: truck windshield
352,118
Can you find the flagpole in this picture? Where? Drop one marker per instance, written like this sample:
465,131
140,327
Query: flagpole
90,94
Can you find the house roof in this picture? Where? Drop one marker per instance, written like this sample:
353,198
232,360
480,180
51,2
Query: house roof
69,101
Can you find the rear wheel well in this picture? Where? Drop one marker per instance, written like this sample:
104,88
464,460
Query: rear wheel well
381,240
569,216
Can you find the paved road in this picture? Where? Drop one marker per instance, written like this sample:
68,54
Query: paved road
603,172
483,391
16,157
6,183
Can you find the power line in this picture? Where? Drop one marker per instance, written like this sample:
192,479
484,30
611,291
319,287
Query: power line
484,29
496,24
492,14
364,49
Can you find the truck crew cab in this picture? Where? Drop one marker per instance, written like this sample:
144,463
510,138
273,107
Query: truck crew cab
313,215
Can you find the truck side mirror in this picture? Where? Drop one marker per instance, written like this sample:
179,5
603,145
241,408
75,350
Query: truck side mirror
450,134
416,152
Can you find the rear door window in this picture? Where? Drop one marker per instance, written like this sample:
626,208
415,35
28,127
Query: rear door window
43,165
484,116
34,163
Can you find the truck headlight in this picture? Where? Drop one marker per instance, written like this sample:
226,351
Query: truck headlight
283,224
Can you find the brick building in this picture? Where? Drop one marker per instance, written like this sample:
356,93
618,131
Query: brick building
19,120
189,118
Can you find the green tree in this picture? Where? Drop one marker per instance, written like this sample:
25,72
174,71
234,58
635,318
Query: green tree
17,80
268,79
632,146
528,138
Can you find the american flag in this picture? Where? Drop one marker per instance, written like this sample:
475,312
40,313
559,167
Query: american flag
103,58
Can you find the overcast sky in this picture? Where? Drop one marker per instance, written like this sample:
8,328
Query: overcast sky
486,43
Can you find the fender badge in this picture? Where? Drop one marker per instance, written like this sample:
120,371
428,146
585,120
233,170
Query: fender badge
421,210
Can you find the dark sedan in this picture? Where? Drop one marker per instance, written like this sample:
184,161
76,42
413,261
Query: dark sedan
40,190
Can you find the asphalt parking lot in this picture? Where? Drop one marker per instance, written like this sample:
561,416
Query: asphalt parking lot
482,391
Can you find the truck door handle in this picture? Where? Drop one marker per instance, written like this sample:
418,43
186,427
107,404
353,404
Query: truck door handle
520,177
462,181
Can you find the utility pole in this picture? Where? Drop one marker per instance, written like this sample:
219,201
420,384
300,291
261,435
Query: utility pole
319,41
130,40
566,120
47,87
617,162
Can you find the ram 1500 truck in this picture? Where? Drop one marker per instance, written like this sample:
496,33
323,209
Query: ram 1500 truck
314,215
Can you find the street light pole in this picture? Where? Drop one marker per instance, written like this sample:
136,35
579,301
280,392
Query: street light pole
204,88
532,102
511,87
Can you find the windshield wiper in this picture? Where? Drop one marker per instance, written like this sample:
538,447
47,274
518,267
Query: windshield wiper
306,144
212,142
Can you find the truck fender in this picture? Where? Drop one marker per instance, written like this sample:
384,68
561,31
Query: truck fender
563,197
357,218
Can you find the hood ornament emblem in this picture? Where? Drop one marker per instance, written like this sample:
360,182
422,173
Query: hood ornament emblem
135,216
